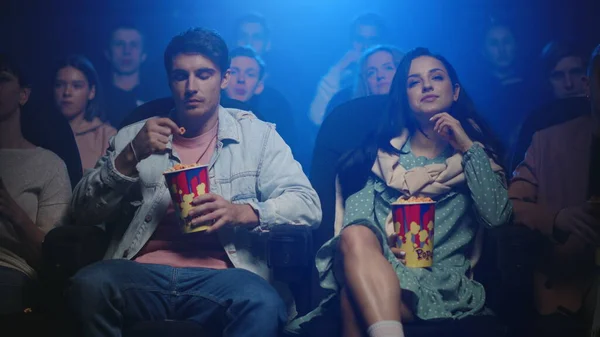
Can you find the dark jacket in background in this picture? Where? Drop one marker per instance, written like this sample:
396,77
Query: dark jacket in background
504,106
120,103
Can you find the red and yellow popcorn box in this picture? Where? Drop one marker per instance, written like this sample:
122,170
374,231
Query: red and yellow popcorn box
186,182
414,223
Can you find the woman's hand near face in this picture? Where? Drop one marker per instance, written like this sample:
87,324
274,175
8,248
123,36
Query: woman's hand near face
450,129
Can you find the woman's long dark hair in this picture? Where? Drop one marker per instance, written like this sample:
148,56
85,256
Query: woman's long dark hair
355,166
95,106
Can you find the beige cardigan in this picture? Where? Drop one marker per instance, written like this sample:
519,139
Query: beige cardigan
92,141
555,175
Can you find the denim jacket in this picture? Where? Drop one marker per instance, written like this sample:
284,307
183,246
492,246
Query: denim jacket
251,165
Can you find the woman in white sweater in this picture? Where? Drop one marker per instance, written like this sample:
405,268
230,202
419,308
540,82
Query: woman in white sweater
34,194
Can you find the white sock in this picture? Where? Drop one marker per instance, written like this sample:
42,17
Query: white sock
386,329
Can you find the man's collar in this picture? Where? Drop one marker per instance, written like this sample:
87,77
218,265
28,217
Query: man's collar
228,126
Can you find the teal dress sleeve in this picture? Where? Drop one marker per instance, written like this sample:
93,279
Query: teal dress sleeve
488,189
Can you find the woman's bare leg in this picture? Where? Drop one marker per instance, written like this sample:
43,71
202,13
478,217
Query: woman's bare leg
350,321
370,278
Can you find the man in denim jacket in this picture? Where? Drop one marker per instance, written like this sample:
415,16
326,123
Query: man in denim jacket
152,271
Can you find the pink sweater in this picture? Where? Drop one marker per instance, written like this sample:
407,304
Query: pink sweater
92,141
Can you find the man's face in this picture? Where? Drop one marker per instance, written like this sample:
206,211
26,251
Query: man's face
500,47
253,34
126,51
365,36
196,85
245,80
568,78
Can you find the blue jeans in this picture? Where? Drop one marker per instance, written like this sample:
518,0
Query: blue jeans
108,295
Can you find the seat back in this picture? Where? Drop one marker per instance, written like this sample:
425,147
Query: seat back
345,129
159,107
51,130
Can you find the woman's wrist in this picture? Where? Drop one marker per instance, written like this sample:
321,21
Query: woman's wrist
467,146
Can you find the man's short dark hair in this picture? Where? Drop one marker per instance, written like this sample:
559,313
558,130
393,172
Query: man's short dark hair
12,66
251,53
252,18
557,50
124,25
370,19
205,42
494,23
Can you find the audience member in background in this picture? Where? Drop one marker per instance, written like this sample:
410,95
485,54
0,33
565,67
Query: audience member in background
247,84
78,96
500,51
125,89
502,93
376,70
564,69
430,143
220,275
367,30
34,194
247,75
252,30
551,191
564,65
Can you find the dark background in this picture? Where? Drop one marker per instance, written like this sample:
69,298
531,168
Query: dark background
308,35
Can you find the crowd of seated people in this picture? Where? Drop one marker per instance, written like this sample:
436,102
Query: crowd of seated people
426,134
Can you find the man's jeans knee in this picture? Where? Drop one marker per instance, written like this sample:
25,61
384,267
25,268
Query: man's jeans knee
111,294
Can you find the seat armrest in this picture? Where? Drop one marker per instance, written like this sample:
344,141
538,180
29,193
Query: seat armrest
519,249
289,246
67,249
290,258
